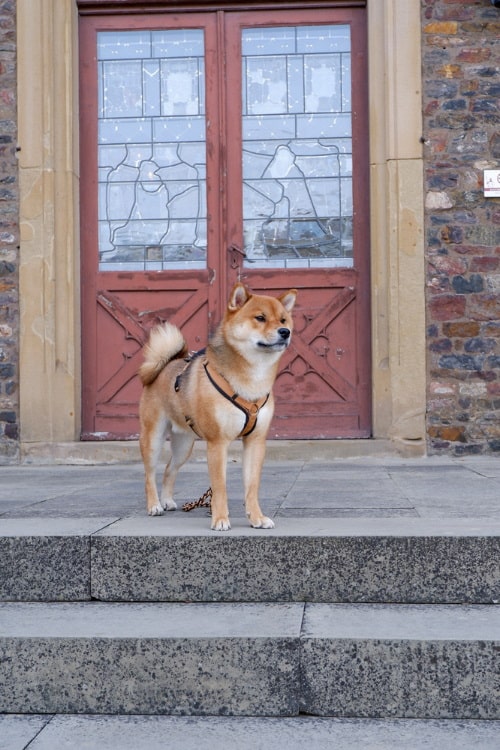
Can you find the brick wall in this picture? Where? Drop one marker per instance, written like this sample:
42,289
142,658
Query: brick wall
461,108
9,239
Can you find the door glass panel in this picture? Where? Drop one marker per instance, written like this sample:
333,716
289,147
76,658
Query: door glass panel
297,146
151,150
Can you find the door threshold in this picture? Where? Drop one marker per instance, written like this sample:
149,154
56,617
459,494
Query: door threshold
127,451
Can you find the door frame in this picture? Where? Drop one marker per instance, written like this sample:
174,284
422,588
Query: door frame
49,277
113,324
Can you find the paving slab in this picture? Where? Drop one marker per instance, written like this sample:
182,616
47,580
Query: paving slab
120,620
362,487
17,730
69,491
305,483
56,526
488,466
448,490
263,733
197,524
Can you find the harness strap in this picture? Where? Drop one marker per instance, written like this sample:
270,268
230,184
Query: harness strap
188,360
249,408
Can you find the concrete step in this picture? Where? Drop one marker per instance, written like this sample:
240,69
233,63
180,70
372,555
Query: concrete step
251,659
178,558
234,733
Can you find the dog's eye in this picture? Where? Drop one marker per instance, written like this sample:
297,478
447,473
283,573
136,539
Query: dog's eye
283,321
260,318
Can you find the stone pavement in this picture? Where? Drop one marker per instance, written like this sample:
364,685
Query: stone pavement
308,492
307,487
235,733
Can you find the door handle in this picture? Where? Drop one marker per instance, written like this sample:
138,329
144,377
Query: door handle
235,255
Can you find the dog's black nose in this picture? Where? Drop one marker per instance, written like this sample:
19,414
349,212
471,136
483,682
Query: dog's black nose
284,333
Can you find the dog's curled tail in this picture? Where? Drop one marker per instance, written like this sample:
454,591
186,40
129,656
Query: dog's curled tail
165,343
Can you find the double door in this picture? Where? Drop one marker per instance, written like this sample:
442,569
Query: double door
221,146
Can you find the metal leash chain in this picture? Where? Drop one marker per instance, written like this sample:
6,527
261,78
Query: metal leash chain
203,502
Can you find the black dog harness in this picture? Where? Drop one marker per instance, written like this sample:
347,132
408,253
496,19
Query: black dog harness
250,409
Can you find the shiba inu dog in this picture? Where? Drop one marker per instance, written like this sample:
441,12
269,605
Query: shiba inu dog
219,394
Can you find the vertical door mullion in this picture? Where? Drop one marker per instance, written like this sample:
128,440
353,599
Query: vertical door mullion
233,109
215,185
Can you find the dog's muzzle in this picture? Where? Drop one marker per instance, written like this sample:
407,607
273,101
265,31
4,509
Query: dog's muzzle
281,342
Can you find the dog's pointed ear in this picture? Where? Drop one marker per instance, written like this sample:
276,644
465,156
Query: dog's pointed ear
239,295
288,299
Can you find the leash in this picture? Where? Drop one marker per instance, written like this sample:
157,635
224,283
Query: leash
203,502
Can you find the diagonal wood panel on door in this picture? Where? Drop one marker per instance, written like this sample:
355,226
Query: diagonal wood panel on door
124,318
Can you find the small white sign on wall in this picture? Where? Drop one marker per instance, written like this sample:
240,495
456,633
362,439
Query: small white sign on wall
492,183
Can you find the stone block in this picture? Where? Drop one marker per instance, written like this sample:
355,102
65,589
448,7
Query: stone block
46,559
325,560
447,307
403,661
462,329
239,659
150,658
441,27
462,285
453,433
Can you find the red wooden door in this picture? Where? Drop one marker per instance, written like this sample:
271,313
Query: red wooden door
298,204
150,199
219,146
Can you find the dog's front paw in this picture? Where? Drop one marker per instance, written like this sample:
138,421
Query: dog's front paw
156,510
220,524
262,522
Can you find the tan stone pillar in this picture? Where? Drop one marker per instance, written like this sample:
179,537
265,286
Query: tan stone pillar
49,269
397,221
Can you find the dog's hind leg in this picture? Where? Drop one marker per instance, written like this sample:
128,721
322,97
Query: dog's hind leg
152,438
181,446
254,451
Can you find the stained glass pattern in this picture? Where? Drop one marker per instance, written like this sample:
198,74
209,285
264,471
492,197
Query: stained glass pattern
151,150
297,146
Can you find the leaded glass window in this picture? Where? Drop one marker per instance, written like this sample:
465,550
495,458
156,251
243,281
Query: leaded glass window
151,150
297,146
